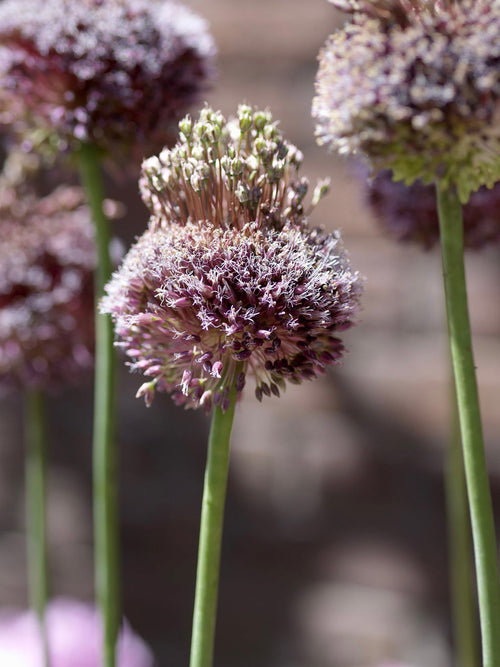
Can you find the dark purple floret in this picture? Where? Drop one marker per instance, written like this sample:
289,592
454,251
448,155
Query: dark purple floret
118,73
409,213
229,282
47,257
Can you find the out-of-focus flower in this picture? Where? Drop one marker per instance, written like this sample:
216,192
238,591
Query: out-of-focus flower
47,257
414,86
117,73
74,639
384,664
409,213
229,280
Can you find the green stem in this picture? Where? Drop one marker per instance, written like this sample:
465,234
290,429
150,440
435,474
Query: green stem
463,598
36,512
106,532
476,474
209,549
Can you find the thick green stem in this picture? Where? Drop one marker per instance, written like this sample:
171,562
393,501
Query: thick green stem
36,513
463,598
212,519
481,511
106,532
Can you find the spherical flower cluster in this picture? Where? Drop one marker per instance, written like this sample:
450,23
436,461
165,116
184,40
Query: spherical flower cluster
409,213
74,639
47,257
117,73
414,86
229,281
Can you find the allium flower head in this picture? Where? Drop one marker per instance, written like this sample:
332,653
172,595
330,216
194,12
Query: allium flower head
118,73
229,281
409,212
74,639
47,257
414,86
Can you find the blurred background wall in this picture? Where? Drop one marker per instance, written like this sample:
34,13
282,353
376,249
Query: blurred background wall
335,541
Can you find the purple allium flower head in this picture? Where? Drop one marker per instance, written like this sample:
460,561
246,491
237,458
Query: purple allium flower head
118,73
47,257
229,281
414,86
74,639
409,212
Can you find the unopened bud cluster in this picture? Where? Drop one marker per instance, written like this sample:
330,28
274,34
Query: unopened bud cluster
229,173
229,282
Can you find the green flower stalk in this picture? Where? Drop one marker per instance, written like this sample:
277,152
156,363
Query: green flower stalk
414,87
228,284
36,511
211,524
106,531
481,511
465,621
409,214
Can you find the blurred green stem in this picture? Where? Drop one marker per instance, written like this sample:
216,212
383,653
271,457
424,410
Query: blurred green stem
36,512
463,598
209,549
476,474
106,531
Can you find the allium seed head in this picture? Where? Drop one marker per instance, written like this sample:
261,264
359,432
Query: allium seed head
229,281
414,86
409,213
47,257
117,73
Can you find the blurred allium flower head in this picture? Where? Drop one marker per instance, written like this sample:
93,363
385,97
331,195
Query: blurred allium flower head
47,257
118,73
229,280
389,664
408,213
74,639
414,86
